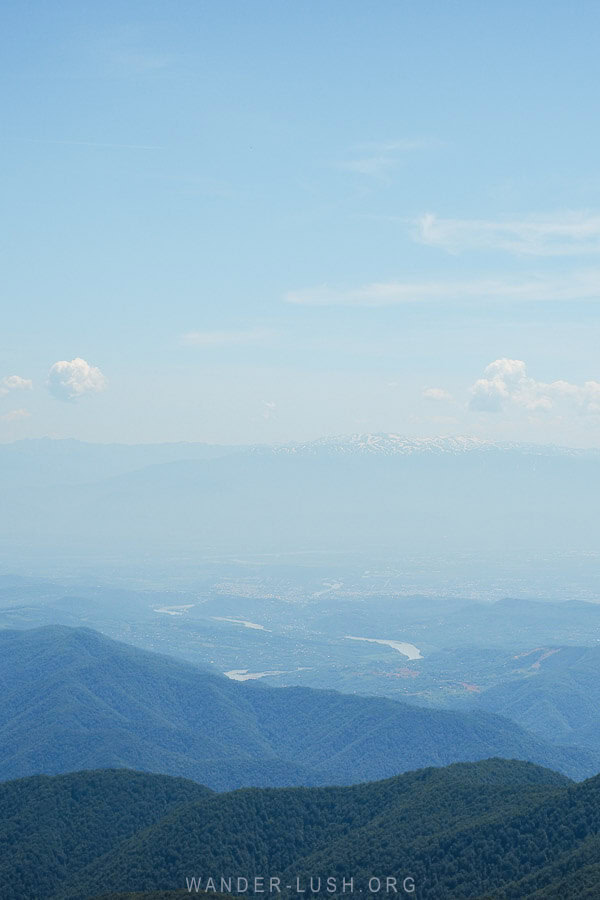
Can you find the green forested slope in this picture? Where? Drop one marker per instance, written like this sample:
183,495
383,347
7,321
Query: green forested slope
73,699
495,828
51,827
422,824
558,700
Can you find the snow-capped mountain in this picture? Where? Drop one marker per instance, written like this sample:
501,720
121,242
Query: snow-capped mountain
364,492
386,444
399,445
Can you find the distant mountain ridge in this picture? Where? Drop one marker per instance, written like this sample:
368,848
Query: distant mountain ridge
365,493
384,443
47,461
390,444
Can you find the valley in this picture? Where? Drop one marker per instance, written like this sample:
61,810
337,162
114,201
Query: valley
300,450
307,669
280,629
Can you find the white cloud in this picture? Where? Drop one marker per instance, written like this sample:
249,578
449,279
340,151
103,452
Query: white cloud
70,380
437,394
14,415
227,338
506,384
376,159
14,383
564,234
579,285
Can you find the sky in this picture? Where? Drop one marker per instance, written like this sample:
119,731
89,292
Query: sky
266,222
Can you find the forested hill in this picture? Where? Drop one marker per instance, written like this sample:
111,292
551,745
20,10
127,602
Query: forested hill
51,827
73,699
496,828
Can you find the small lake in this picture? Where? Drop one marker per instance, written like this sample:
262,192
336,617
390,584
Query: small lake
243,622
245,675
408,650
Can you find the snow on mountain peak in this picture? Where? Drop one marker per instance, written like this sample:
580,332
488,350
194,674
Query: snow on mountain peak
399,445
385,444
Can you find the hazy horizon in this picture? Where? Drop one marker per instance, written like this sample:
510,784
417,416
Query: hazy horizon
415,439
300,449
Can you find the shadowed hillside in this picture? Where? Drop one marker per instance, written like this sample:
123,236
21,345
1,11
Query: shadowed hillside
74,699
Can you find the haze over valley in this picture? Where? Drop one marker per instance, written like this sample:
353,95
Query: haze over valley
300,450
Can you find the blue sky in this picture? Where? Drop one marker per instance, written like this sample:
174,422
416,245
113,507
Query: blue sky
273,221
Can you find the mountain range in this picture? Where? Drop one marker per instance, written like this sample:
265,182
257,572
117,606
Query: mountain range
370,493
388,444
495,829
74,699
